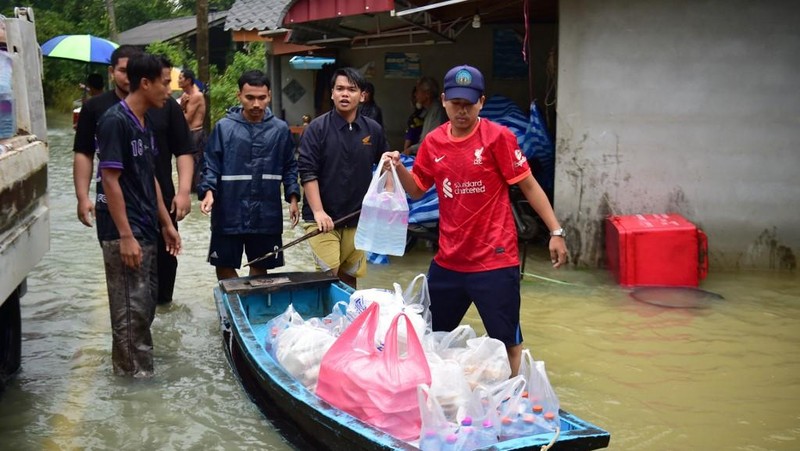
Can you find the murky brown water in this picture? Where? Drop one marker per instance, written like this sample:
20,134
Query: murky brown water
724,377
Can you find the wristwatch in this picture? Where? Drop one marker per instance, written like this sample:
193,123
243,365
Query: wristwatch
558,232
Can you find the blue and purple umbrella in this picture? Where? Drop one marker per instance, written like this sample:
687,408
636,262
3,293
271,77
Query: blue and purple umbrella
80,47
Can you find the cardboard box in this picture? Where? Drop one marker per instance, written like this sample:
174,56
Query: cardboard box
656,250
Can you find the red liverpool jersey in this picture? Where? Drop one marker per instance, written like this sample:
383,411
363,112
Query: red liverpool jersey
472,176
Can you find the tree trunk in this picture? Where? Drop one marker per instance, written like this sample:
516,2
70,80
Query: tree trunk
112,20
201,52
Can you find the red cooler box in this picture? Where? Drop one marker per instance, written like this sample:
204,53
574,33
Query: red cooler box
656,250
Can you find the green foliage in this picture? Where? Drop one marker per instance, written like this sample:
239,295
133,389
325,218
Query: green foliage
213,5
224,87
61,79
132,13
178,54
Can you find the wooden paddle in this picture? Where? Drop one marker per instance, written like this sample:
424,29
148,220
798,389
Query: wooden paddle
303,238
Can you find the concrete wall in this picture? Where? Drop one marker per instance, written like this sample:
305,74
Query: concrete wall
473,47
682,106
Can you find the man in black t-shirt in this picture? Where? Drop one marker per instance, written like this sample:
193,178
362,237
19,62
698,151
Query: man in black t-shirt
172,138
337,151
129,209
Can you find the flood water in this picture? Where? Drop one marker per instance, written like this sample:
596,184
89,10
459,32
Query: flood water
723,377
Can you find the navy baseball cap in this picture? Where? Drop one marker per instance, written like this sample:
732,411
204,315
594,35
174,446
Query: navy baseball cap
463,82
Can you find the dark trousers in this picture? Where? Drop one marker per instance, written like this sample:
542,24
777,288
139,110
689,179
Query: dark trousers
132,304
165,269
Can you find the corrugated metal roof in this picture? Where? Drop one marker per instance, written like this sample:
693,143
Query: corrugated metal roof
257,14
311,10
166,29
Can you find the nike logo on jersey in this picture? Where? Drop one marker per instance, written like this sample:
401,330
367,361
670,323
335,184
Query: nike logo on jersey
438,159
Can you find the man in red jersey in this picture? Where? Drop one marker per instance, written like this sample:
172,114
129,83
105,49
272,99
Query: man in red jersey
473,161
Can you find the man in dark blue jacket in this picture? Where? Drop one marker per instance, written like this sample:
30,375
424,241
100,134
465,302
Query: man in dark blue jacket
248,155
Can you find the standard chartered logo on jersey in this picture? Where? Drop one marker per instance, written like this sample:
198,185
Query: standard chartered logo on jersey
470,187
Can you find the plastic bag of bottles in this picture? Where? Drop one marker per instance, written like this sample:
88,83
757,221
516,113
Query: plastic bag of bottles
8,118
435,427
383,223
543,398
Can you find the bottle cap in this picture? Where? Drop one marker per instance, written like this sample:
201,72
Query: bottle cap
430,433
528,418
452,438
487,423
467,421
549,416
506,421
537,408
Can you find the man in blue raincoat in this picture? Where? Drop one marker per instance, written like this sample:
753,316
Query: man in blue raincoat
248,155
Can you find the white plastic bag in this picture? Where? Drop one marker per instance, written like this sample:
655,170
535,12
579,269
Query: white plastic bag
540,392
448,385
485,362
383,222
300,348
416,293
448,345
278,325
391,303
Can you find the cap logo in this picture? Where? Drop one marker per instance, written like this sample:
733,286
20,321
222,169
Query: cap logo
463,78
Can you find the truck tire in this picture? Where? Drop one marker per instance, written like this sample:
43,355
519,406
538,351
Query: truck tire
10,338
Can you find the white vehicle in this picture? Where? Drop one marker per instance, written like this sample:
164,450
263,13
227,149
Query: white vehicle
24,211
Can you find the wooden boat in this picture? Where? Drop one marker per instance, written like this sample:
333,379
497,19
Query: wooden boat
246,304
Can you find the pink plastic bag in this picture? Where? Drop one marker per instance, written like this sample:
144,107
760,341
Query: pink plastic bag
377,387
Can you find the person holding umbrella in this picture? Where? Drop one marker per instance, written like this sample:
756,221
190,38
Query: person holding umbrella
172,138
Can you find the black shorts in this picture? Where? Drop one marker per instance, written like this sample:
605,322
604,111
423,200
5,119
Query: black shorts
226,250
495,294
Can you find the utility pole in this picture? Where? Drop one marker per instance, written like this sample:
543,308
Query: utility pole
201,52
112,20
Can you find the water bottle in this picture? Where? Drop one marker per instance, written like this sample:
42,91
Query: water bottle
270,342
507,427
511,427
450,443
550,421
430,441
538,419
465,434
486,435
8,118
528,425
524,405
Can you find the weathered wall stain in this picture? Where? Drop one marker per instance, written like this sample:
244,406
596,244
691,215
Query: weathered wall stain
767,251
591,180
